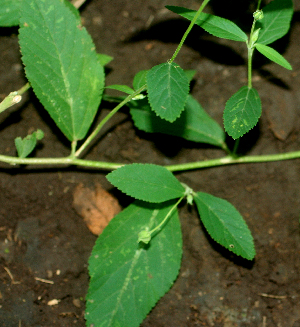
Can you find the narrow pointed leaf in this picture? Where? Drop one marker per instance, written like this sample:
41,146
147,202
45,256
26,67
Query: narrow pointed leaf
273,55
276,22
127,279
10,12
225,224
147,182
194,124
61,65
242,112
122,88
168,88
104,59
212,24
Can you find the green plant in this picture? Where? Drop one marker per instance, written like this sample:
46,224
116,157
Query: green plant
137,257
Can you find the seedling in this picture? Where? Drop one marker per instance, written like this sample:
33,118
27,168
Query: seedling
137,258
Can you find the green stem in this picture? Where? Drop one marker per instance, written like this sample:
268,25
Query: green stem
228,160
258,5
13,98
236,145
106,118
159,226
205,2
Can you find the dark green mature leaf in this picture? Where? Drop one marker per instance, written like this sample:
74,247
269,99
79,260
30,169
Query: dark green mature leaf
212,24
276,22
61,65
26,145
147,182
225,224
194,124
242,112
273,55
9,12
168,88
128,279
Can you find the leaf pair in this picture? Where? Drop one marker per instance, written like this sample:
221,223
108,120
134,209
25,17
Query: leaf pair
156,184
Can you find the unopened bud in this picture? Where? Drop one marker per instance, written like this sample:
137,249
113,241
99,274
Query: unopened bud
258,15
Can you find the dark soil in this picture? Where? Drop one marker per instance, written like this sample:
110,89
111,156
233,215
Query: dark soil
43,240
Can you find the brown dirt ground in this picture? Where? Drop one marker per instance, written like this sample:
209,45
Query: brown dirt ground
42,237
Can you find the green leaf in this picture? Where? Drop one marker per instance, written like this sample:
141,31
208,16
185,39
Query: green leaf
27,144
104,59
147,182
168,88
194,124
10,12
217,26
225,224
242,112
190,73
61,65
276,22
273,55
128,279
140,79
121,88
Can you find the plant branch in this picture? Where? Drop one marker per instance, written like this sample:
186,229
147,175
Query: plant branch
205,2
106,118
228,160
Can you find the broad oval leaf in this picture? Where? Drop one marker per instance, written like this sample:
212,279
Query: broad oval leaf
10,12
276,22
61,65
242,112
212,24
225,224
194,124
147,182
273,55
128,279
168,88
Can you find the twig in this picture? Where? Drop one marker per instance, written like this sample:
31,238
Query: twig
44,280
273,296
11,276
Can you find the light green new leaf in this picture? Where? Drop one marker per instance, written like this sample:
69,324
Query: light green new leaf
147,182
194,124
168,88
212,24
273,55
104,59
242,112
276,22
225,224
122,88
9,12
61,65
127,279
27,144
139,79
